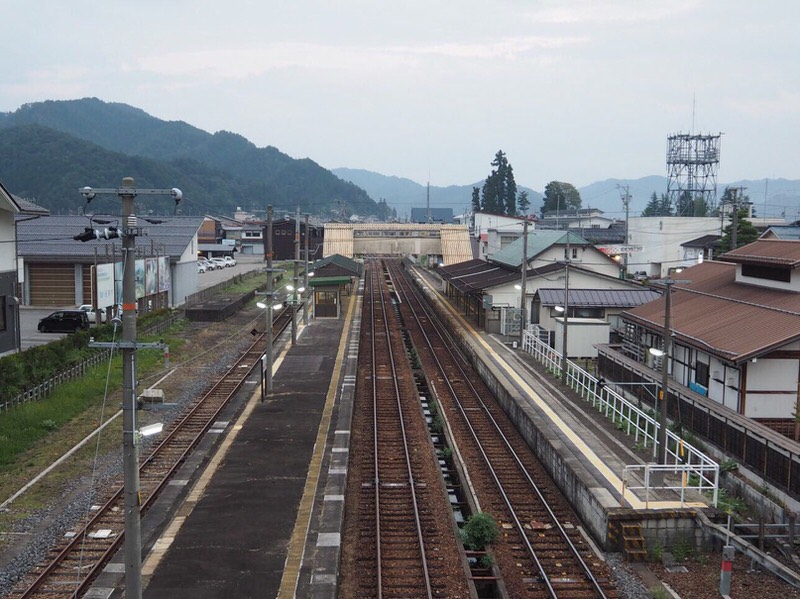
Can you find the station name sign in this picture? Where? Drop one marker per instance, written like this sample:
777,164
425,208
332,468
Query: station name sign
614,250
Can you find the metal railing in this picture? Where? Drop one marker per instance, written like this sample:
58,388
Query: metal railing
695,470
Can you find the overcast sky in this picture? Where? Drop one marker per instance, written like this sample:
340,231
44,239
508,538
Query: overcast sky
571,90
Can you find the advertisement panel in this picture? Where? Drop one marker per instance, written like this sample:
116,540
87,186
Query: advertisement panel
105,285
140,282
163,273
150,276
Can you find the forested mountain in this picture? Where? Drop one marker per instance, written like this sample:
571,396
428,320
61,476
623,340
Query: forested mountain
216,172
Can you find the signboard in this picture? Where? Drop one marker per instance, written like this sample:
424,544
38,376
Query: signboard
615,250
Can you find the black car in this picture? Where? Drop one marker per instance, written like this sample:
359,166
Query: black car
64,321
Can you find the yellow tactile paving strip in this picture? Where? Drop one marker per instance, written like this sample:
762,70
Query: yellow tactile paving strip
614,480
297,542
163,543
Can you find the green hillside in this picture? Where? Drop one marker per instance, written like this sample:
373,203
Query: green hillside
223,170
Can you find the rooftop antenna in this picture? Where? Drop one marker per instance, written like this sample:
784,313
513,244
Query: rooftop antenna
430,220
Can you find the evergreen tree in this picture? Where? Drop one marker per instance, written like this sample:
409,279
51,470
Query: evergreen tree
500,189
658,206
745,232
523,203
476,199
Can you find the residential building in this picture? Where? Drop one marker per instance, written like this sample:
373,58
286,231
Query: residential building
494,232
11,208
59,271
735,327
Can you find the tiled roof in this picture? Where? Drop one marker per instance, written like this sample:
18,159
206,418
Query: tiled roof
732,320
782,232
781,252
348,264
477,275
598,298
28,207
51,237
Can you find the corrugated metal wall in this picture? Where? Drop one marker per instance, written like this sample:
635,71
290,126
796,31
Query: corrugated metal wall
52,284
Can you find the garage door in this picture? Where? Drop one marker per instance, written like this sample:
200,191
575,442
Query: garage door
52,284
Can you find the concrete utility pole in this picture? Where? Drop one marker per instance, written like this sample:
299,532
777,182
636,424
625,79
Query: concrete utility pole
567,258
626,200
522,303
295,275
305,277
270,302
662,395
130,433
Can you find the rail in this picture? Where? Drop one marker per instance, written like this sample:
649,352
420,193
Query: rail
697,470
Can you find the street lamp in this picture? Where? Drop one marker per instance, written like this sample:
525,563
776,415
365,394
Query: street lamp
563,310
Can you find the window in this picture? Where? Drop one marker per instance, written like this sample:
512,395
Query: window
771,273
701,374
574,253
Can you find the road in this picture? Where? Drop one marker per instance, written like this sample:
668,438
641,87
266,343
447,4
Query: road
31,315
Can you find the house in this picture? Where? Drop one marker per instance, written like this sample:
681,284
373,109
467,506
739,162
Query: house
283,238
735,324
11,208
701,249
490,292
494,232
582,218
659,240
784,232
60,271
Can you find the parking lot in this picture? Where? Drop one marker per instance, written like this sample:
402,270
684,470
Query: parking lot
31,315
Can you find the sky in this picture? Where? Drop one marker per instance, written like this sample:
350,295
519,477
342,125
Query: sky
571,90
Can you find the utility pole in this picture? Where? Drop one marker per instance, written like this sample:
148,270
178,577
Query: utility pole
270,301
130,433
295,275
734,219
305,277
626,200
564,346
522,303
662,395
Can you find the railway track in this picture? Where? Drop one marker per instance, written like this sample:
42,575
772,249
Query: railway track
406,541
541,552
75,563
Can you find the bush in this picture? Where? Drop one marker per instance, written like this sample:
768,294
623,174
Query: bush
480,530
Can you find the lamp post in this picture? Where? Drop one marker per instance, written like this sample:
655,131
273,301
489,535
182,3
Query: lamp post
130,435
305,274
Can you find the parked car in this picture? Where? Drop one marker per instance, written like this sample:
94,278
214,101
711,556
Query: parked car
207,263
640,275
229,261
220,262
64,321
201,267
91,314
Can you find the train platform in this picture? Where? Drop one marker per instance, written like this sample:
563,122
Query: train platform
271,478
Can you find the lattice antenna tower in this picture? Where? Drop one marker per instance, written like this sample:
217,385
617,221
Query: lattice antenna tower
692,165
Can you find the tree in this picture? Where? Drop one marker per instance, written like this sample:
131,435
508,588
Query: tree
499,194
559,196
745,232
658,206
523,203
476,199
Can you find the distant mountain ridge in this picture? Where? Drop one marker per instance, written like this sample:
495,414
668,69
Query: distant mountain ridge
405,194
238,173
782,195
